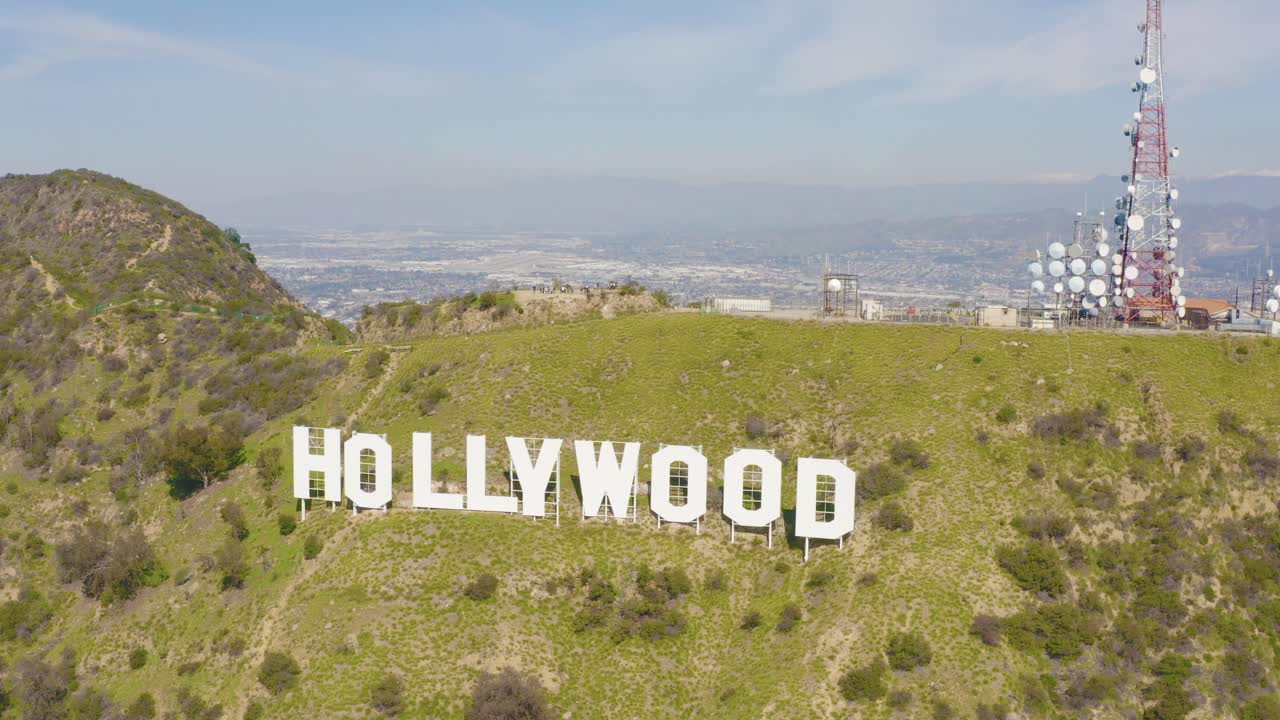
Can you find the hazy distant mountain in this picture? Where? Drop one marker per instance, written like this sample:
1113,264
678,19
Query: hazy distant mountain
605,203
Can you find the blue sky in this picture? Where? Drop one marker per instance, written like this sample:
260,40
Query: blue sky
213,102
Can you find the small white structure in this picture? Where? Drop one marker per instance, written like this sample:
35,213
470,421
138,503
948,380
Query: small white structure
741,305
997,316
1042,323
871,309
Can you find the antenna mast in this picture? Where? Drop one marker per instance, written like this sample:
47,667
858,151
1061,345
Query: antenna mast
1149,284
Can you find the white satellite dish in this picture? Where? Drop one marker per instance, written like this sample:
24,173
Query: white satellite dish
1102,237
1058,288
1099,267
1036,269
1182,271
1173,242
1127,129
1131,272
1276,292
1103,249
1117,258
1136,222
1142,143
834,285
1176,289
1171,255
1273,305
1079,267
1175,223
1271,273
1119,301
1076,284
1102,302
1133,189
1146,76
1057,250
1176,151
1182,300
1137,116
1129,292
1173,194
1182,312
1037,286
1074,250
1057,269
1087,303
1117,270
1097,287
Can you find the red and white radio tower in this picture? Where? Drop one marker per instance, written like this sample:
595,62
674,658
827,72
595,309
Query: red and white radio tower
1148,286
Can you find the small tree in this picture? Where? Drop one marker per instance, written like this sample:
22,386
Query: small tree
137,658
312,546
288,522
482,588
508,695
268,466
202,455
233,515
908,651
865,683
231,563
278,672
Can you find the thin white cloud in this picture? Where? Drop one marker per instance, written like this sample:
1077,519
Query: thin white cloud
927,50
59,38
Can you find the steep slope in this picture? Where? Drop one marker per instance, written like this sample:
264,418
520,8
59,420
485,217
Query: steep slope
96,239
1100,542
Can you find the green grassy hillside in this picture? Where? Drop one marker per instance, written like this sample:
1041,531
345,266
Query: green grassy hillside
1075,527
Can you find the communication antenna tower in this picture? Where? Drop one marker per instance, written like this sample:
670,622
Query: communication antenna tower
1149,278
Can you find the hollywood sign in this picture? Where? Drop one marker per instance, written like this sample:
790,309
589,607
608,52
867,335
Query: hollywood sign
327,468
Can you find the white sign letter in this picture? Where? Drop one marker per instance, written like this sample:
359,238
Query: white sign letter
534,478
317,455
367,467
476,499
605,477
767,503
696,484
837,500
423,495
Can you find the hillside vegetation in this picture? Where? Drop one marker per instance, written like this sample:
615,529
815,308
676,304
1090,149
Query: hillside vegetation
501,310
1031,541
94,239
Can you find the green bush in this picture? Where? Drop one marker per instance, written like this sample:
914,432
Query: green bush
143,707
24,617
894,517
908,651
387,696
137,658
312,546
278,672
1035,566
788,618
482,588
1006,414
1060,631
287,522
865,683
1266,707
